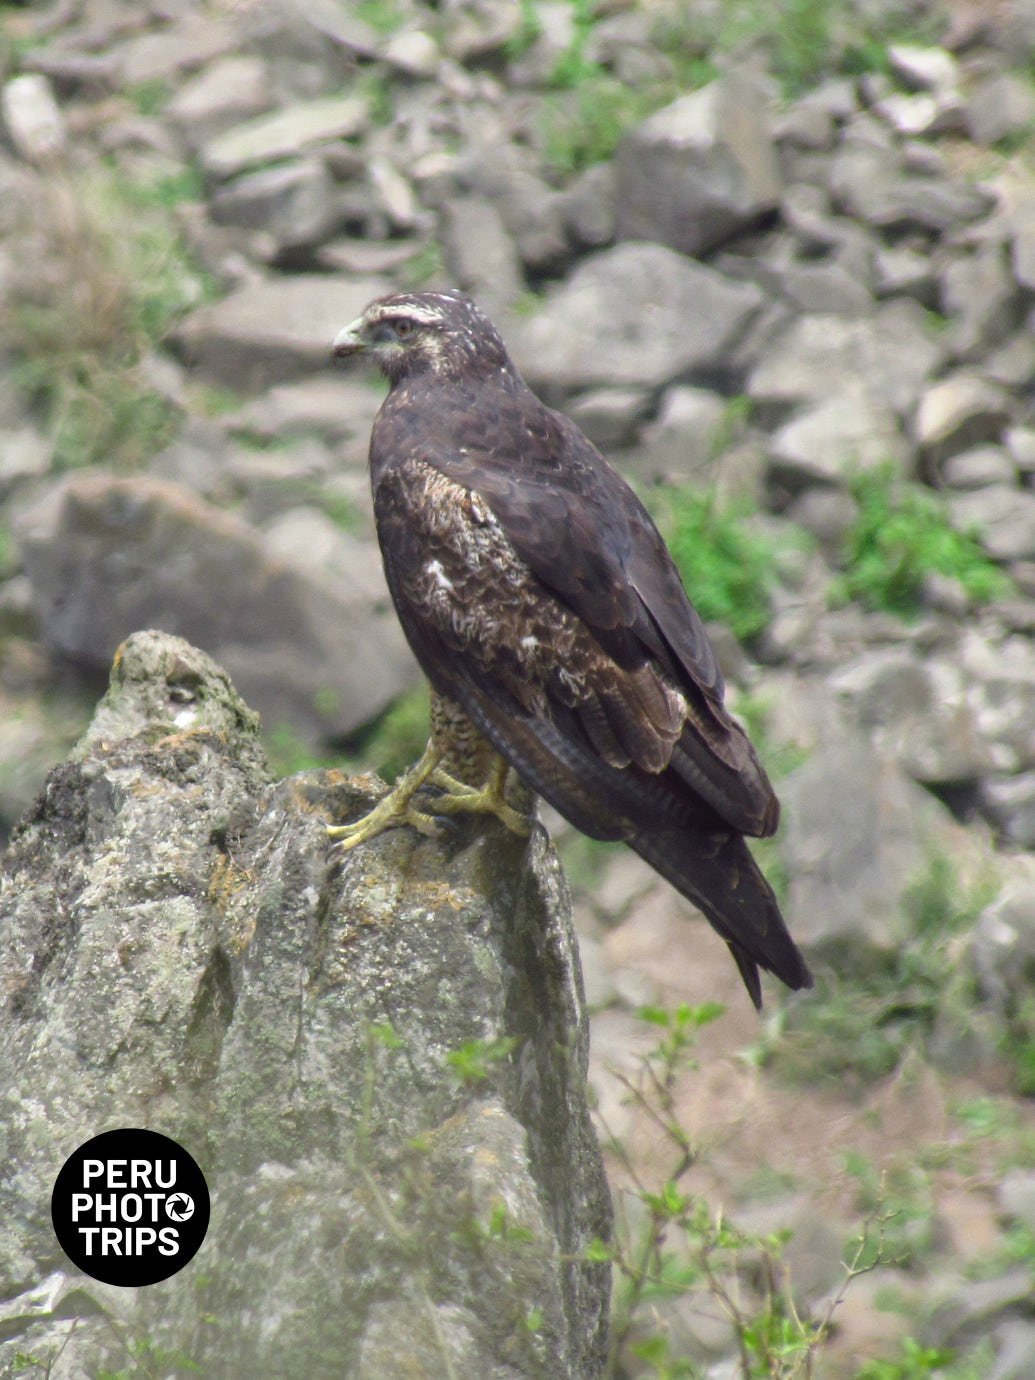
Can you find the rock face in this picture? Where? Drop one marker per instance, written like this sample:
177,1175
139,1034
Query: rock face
108,555
181,954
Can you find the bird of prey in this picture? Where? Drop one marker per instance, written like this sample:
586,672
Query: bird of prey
544,608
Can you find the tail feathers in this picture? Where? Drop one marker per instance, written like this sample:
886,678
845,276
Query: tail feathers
718,874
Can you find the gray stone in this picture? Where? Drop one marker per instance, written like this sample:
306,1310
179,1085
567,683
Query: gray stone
958,412
298,204
974,1306
228,92
902,272
924,69
283,134
866,181
162,54
311,46
1012,364
979,467
919,714
25,453
610,417
1002,517
981,299
1000,106
682,442
73,71
338,409
650,316
1014,1350
32,119
827,513
1016,1196
413,52
853,853
474,31
1010,803
891,354
272,331
288,1018
922,113
1020,443
1003,943
480,254
588,209
107,556
831,442
698,170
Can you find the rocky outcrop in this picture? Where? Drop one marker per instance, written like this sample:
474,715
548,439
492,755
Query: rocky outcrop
181,953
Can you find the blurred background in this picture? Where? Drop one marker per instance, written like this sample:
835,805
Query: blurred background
778,261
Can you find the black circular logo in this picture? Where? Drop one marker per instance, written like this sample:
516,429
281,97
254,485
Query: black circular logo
130,1207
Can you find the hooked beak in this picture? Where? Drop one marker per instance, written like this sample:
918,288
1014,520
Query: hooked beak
349,340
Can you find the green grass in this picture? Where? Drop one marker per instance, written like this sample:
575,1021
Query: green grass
726,562
395,741
104,277
901,535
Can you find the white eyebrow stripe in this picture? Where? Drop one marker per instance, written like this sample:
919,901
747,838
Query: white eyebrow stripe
424,314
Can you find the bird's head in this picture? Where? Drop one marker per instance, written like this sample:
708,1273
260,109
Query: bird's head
408,333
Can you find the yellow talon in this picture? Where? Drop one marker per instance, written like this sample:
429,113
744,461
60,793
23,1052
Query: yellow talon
397,807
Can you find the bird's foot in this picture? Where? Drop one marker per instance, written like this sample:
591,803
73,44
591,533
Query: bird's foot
487,799
395,809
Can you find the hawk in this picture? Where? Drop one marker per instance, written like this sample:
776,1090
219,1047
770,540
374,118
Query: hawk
544,608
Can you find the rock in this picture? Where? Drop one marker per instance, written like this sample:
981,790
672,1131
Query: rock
162,54
1002,948
32,119
978,468
226,93
981,299
1016,1196
853,854
610,417
311,46
891,355
924,69
1010,803
298,204
973,1307
698,170
920,714
587,207
340,410
684,439
1020,445
1001,516
288,1018
107,556
477,29
957,413
272,331
866,181
24,454
73,71
413,52
899,272
999,107
637,314
284,134
1014,1348
836,439
480,253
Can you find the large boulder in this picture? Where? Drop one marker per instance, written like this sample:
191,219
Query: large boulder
697,171
182,953
105,556
637,314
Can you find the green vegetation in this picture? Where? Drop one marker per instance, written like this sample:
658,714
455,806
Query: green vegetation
394,741
475,1060
725,560
383,16
103,279
914,1362
901,536
861,1026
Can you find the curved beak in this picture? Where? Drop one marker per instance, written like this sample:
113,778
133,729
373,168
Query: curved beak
350,340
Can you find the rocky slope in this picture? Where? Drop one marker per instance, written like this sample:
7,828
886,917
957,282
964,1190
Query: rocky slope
793,266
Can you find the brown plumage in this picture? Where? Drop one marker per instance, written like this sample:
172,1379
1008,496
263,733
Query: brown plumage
539,597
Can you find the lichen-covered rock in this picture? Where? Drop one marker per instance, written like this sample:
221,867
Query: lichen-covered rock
182,953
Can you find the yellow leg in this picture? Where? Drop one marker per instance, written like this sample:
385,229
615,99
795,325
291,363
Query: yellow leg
397,806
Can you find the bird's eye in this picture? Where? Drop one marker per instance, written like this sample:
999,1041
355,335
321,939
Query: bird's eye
403,328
